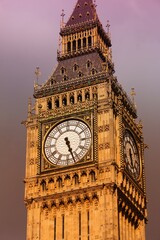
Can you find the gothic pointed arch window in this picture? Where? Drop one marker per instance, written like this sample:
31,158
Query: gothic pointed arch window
59,182
95,96
84,42
69,47
63,71
65,78
76,179
64,101
53,81
72,99
89,64
79,97
89,41
75,67
87,96
80,74
92,176
93,71
43,184
79,43
67,180
74,45
49,104
57,103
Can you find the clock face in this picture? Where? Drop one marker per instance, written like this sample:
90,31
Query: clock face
67,143
131,156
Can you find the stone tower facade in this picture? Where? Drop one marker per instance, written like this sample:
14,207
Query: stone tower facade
85,149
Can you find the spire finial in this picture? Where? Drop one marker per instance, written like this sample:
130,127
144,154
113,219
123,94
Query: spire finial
133,94
108,26
62,20
37,73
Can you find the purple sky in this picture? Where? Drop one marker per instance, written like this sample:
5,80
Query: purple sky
29,38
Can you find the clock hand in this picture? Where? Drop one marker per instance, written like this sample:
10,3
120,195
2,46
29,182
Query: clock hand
69,148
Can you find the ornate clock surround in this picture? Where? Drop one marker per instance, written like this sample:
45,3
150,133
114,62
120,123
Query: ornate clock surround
89,118
132,156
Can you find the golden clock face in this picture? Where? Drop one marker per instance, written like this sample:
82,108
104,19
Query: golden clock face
131,155
67,143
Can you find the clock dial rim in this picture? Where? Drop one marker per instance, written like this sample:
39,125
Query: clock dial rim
75,155
133,166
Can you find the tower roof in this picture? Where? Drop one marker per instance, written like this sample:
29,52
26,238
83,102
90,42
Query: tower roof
84,11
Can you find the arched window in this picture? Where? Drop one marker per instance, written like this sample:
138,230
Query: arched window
93,71
93,176
74,45
76,179
89,41
43,184
65,78
89,64
72,99
84,42
75,67
87,96
80,98
79,43
94,96
63,70
57,103
49,104
64,101
68,46
80,74
59,182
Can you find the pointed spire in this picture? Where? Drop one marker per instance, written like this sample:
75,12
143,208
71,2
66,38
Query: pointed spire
84,11
62,19
133,94
37,73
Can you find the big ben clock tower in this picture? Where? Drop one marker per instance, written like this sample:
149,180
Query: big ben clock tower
85,149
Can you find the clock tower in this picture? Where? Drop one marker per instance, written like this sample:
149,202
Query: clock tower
85,149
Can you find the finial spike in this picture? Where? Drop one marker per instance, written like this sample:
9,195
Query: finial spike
37,73
133,94
108,26
62,19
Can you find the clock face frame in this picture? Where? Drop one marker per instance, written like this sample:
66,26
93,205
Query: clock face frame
131,156
67,142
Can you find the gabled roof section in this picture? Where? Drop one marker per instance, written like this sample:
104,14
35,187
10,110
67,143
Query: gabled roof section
84,11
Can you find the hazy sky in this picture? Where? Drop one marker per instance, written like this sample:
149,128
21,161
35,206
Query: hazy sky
29,38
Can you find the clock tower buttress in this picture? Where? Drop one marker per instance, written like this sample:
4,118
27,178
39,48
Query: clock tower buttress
84,175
